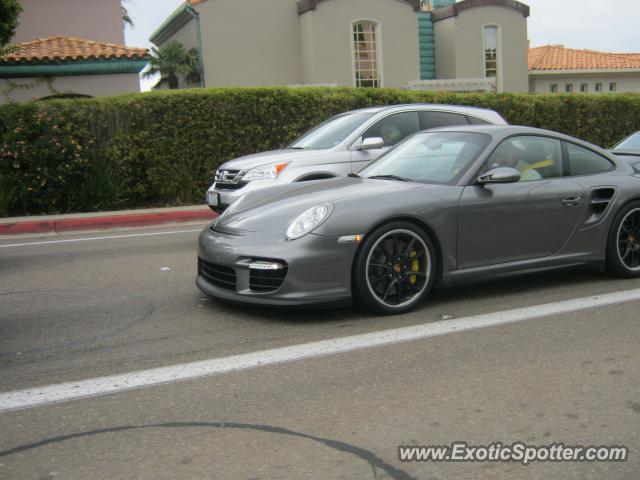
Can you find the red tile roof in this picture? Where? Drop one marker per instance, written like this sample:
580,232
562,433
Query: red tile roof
633,56
557,57
70,48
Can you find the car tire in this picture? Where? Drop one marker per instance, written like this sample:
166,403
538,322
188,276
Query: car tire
623,245
395,268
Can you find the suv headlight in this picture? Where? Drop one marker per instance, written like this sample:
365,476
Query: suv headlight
309,221
265,171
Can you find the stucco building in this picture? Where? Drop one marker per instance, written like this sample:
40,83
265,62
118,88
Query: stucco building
556,69
70,47
370,43
483,39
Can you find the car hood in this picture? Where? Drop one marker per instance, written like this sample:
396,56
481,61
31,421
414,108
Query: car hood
286,155
276,207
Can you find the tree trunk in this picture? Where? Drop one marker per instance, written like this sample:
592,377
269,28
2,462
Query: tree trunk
172,79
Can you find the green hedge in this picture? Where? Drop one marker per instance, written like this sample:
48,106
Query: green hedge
162,148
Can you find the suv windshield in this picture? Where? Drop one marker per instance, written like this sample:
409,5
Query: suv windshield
438,157
629,143
332,132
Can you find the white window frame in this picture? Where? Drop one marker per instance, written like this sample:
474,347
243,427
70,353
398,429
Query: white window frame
379,57
499,69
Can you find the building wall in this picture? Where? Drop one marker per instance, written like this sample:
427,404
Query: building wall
93,85
99,20
326,37
307,49
464,35
626,82
187,35
445,38
252,46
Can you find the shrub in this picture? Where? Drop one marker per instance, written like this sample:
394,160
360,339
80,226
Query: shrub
161,148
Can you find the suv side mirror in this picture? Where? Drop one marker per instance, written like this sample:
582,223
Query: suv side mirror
499,175
371,143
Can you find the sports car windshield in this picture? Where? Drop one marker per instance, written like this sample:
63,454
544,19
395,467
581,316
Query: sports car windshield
332,132
432,157
629,143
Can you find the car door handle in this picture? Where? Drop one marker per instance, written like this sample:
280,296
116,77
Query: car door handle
574,201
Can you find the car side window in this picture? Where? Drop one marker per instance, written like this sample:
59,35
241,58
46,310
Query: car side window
583,161
394,128
442,119
477,121
535,157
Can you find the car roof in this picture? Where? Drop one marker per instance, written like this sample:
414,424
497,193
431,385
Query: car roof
484,113
499,132
503,130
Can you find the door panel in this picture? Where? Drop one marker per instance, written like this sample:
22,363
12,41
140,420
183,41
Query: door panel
518,221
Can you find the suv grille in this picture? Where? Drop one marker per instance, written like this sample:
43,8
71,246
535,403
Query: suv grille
229,179
218,275
266,280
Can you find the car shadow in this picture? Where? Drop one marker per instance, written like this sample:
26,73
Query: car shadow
291,315
529,284
536,285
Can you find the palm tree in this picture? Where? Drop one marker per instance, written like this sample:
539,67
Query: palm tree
173,61
126,18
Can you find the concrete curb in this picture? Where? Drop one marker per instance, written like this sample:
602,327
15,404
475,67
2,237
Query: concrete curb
98,221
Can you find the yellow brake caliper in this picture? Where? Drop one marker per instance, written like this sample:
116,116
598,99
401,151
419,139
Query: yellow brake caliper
415,265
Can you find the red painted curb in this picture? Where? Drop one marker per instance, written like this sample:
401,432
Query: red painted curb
107,221
29,226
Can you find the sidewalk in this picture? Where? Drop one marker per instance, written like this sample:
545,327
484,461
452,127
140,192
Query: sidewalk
103,220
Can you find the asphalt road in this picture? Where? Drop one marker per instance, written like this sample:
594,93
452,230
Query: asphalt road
81,309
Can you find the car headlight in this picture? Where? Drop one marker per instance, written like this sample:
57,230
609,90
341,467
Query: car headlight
265,172
309,221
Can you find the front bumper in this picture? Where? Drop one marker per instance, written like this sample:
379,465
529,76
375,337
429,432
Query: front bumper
318,268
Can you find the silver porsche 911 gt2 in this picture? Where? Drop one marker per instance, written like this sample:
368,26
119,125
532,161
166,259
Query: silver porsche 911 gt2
444,207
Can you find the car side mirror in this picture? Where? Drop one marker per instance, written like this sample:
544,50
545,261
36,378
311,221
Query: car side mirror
371,143
499,175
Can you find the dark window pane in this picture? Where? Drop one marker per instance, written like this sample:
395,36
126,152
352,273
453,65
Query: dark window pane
394,128
477,121
442,119
584,162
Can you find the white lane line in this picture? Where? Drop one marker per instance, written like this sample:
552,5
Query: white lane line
35,397
110,237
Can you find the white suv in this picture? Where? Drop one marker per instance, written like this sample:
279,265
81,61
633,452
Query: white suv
343,144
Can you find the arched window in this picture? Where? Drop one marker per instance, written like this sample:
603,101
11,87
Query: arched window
366,54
